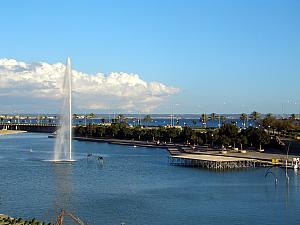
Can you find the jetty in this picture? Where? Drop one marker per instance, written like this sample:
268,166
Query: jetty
215,162
6,132
216,159
30,127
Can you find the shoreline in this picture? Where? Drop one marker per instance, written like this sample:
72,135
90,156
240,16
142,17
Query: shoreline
178,149
125,142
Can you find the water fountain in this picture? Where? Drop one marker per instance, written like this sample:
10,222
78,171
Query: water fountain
63,144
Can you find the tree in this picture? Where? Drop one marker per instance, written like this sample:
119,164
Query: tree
199,138
125,120
186,133
153,133
268,122
222,119
127,132
283,125
92,130
211,136
213,118
85,118
80,131
242,140
256,136
147,119
92,115
243,118
114,129
293,116
173,133
194,122
100,131
120,118
255,115
137,132
194,138
228,134
204,119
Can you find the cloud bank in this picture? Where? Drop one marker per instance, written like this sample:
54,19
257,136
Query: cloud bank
40,84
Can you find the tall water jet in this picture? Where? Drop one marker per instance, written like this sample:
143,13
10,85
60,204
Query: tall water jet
63,144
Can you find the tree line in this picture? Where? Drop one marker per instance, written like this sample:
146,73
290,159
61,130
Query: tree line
227,135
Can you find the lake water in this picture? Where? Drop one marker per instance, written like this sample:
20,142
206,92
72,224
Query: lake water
136,186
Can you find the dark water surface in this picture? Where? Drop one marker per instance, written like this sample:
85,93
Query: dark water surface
136,186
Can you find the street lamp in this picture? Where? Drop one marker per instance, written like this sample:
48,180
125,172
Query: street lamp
286,161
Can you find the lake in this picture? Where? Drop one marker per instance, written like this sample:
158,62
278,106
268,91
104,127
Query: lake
136,186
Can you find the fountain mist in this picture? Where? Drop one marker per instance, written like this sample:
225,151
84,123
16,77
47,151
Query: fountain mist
63,145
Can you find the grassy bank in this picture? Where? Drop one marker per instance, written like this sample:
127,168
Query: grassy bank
6,220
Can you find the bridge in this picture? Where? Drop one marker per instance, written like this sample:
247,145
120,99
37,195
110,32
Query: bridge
41,128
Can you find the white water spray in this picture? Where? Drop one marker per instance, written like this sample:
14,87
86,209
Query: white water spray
63,144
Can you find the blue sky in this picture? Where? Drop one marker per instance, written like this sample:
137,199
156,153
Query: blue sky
228,56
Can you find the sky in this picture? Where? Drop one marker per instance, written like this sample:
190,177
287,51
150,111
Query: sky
227,56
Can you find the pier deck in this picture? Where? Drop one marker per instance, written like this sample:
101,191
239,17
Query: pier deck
214,162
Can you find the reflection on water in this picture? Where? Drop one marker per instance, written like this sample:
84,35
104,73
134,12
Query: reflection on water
62,173
63,185
137,187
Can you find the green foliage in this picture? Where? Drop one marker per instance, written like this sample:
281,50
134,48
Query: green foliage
213,118
228,134
204,119
229,130
243,117
194,122
186,133
255,115
256,136
269,121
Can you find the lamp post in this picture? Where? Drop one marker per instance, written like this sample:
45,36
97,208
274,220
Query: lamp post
286,161
172,120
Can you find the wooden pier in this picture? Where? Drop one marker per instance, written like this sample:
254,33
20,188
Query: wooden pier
215,162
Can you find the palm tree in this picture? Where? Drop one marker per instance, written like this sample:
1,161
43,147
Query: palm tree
243,118
255,115
85,118
125,120
213,117
194,122
204,119
221,119
92,116
120,118
147,119
293,116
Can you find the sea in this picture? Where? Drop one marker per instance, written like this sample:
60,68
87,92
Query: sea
137,186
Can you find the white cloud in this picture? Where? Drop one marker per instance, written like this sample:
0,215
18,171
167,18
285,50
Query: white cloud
34,82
